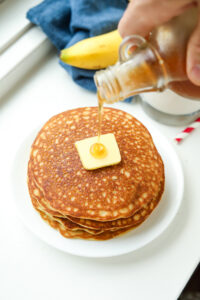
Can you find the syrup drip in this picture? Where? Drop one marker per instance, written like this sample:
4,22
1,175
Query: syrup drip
100,114
98,150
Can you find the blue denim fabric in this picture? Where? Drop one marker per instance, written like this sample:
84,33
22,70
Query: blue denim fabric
66,22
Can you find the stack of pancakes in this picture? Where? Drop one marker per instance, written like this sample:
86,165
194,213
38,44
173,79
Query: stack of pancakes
97,204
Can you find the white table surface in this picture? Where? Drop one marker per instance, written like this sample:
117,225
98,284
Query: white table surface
30,269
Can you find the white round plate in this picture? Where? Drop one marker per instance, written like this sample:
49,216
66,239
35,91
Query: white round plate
157,222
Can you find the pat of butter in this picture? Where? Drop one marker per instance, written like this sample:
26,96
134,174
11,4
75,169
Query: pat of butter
89,162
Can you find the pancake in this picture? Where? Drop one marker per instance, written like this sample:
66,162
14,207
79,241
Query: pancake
133,220
75,223
91,226
103,195
70,230
82,234
98,204
65,222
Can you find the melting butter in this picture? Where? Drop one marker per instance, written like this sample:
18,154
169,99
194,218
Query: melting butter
95,156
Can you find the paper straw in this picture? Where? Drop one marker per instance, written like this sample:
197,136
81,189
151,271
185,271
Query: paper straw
181,136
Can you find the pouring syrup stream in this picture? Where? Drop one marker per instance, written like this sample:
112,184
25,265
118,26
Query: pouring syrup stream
98,150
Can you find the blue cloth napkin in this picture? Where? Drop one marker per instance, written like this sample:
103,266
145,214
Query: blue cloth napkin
66,22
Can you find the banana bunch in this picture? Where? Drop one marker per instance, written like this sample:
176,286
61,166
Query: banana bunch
93,53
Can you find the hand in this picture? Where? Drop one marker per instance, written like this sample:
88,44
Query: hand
142,16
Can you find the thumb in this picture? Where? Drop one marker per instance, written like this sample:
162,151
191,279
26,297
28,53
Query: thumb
193,56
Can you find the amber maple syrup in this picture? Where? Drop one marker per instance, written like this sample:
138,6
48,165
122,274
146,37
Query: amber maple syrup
98,150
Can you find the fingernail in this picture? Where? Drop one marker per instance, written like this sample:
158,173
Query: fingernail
195,74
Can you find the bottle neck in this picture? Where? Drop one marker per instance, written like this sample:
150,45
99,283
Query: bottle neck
143,72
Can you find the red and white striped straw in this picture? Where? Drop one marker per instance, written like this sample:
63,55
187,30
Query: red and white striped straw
181,136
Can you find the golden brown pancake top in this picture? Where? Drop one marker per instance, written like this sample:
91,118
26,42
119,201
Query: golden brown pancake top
104,194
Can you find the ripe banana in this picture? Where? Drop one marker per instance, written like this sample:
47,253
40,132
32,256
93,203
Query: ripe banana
93,53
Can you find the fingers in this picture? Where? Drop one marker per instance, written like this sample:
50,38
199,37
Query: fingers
193,56
133,21
141,16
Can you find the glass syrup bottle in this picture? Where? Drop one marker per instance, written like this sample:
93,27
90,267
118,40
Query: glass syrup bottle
151,65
